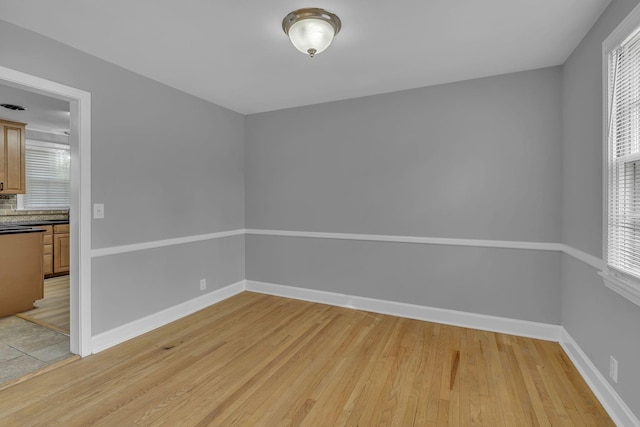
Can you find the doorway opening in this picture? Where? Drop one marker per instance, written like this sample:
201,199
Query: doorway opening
80,206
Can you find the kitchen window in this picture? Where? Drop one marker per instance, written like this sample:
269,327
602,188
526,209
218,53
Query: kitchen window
48,173
621,51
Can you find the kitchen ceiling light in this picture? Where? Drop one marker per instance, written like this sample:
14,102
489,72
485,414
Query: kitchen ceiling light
311,30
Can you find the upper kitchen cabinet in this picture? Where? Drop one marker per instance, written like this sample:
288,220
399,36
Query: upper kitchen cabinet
12,160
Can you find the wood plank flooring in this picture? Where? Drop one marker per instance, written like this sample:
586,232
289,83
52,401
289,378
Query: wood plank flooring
259,360
53,310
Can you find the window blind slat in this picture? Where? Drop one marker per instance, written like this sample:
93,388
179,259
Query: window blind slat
47,176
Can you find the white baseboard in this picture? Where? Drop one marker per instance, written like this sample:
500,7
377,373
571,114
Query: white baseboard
138,327
608,397
503,325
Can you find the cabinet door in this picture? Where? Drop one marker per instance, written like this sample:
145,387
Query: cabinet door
47,265
12,176
61,257
47,256
47,249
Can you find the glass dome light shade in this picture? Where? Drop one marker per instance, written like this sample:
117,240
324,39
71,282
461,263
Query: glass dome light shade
311,36
311,30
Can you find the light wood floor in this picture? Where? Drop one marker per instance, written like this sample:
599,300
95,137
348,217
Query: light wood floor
258,360
53,310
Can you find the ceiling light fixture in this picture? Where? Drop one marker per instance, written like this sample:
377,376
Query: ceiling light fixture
311,30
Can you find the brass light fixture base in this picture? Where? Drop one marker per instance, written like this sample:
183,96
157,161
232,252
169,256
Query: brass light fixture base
311,12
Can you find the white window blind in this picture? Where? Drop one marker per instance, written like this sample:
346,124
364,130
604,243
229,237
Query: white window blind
623,158
47,169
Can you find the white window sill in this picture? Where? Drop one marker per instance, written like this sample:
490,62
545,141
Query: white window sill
624,287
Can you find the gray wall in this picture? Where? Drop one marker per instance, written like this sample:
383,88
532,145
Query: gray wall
518,284
151,281
164,163
435,161
479,159
602,322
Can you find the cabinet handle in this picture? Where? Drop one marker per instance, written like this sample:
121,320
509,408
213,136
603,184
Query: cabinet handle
1,186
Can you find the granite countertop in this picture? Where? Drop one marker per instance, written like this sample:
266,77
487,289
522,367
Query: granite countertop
39,222
17,229
27,226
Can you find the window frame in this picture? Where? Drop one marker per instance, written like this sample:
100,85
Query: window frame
625,285
20,201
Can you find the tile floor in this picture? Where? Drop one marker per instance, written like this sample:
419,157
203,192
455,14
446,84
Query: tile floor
26,347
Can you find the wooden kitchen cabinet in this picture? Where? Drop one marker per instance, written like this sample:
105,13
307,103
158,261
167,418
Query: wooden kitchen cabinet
12,157
47,253
55,254
21,277
61,255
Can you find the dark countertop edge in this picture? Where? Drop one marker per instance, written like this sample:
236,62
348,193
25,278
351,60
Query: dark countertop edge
25,230
32,223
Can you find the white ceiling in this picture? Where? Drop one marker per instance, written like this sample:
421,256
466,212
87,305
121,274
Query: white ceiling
235,54
42,112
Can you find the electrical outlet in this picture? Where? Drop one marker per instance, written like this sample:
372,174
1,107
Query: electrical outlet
203,284
613,369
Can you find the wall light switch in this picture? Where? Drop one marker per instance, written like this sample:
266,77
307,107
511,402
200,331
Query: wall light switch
98,210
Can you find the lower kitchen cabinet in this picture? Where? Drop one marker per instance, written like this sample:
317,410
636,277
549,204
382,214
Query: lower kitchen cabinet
55,255
47,253
61,254
21,276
